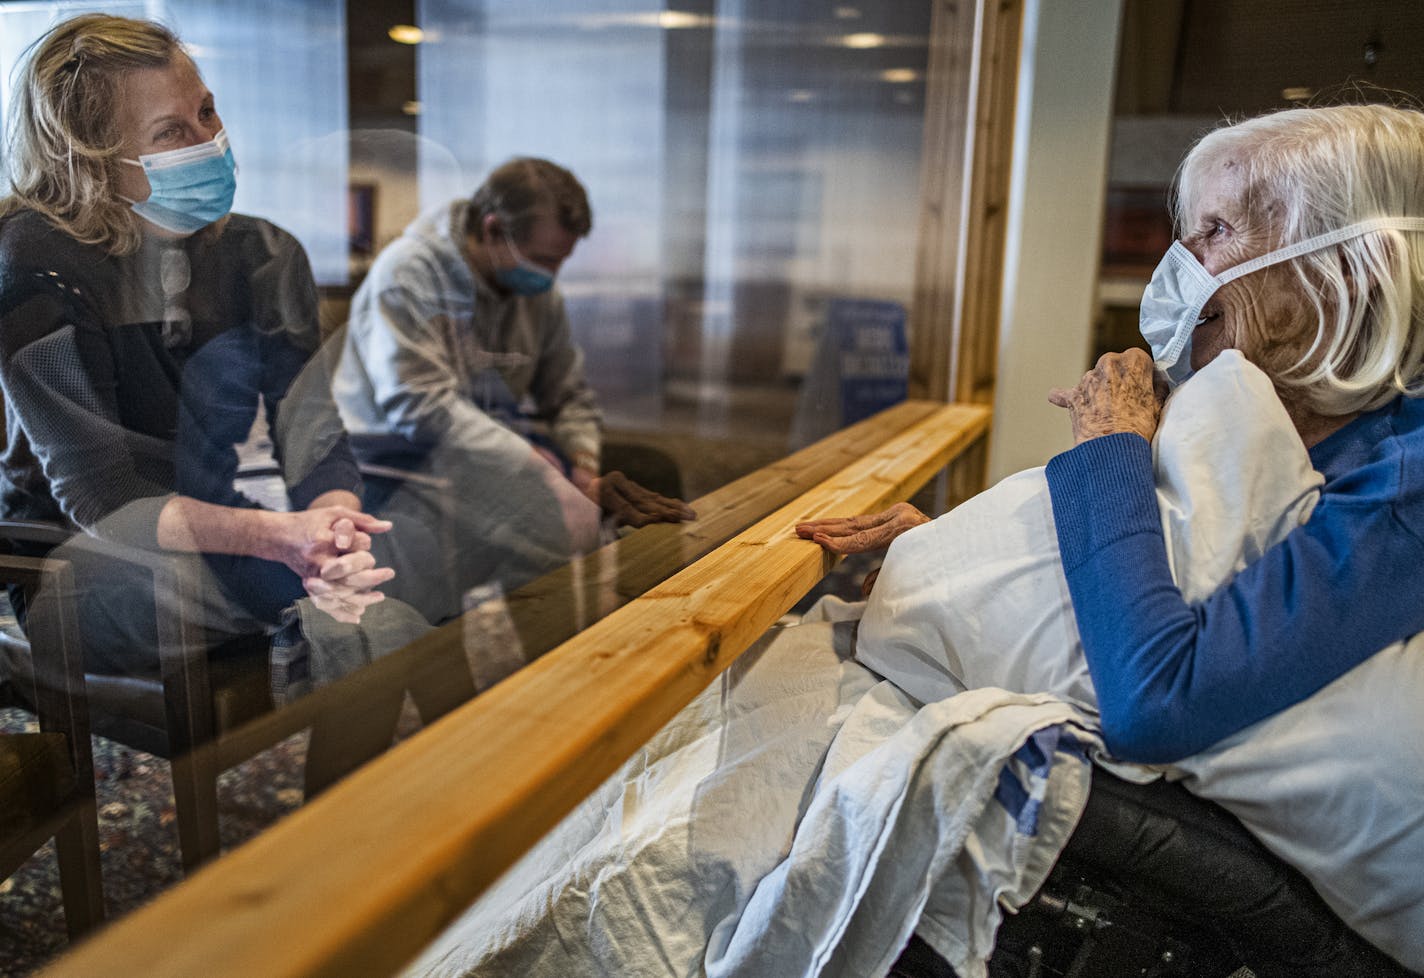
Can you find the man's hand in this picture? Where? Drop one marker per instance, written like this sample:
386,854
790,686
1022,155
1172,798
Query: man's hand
1121,393
632,505
858,534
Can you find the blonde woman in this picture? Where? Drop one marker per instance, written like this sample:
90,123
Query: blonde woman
142,325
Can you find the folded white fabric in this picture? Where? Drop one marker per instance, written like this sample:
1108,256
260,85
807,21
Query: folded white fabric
978,597
931,820
1334,785
798,818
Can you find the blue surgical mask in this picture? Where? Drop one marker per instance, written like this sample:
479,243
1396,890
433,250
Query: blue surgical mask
189,188
525,278
1180,287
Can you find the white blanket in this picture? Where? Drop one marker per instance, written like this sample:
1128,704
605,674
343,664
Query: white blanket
802,818
1333,785
796,819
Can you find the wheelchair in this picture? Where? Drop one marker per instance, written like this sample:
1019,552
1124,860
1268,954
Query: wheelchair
1157,883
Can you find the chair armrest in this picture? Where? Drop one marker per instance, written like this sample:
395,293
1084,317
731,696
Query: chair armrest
56,663
370,470
46,535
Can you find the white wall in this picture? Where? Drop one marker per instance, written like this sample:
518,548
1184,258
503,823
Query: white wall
1056,212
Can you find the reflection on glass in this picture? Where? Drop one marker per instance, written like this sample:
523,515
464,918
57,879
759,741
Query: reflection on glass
751,171
747,164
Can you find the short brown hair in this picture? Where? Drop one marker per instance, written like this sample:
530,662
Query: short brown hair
522,190
63,146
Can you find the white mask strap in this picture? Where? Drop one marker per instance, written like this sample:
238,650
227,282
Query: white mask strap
1322,241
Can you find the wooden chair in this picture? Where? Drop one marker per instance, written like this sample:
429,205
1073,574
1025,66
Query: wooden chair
203,690
204,693
47,778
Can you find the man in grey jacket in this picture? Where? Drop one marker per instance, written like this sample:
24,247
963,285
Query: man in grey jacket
456,329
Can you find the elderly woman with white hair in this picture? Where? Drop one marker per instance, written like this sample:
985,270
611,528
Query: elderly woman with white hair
1302,246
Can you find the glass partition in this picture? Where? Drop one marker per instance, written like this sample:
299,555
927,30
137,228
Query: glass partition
751,170
746,164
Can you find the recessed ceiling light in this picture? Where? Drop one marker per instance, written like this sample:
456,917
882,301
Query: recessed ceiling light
406,34
847,13
1298,93
801,95
899,75
412,107
863,40
666,19
672,20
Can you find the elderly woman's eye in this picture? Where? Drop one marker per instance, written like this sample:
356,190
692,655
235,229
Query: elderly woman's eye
1208,230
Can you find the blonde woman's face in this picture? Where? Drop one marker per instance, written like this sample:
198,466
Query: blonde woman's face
162,109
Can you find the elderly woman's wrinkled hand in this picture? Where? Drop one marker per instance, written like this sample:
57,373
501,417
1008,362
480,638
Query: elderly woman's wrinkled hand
859,534
1122,393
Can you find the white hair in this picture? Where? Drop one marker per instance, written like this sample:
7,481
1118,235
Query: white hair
1314,170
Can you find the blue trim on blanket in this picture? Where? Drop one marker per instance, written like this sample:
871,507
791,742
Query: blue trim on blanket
1037,752
1015,800
1033,762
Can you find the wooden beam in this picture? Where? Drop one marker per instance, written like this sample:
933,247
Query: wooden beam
976,355
553,608
365,876
949,83
964,180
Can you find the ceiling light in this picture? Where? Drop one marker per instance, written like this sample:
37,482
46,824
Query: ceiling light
412,107
406,34
1298,93
847,13
863,40
899,76
801,95
672,20
665,19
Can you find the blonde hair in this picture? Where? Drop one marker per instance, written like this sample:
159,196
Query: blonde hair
63,144
1313,170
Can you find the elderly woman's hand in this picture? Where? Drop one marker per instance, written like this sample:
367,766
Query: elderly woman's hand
1121,393
858,534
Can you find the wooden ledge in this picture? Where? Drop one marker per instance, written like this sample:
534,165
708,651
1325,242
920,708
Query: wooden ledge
369,873
554,608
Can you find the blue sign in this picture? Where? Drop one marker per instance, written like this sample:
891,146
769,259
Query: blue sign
874,355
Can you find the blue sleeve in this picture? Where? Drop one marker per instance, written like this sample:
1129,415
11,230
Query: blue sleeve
1174,678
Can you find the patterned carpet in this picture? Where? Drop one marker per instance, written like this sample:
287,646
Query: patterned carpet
137,838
